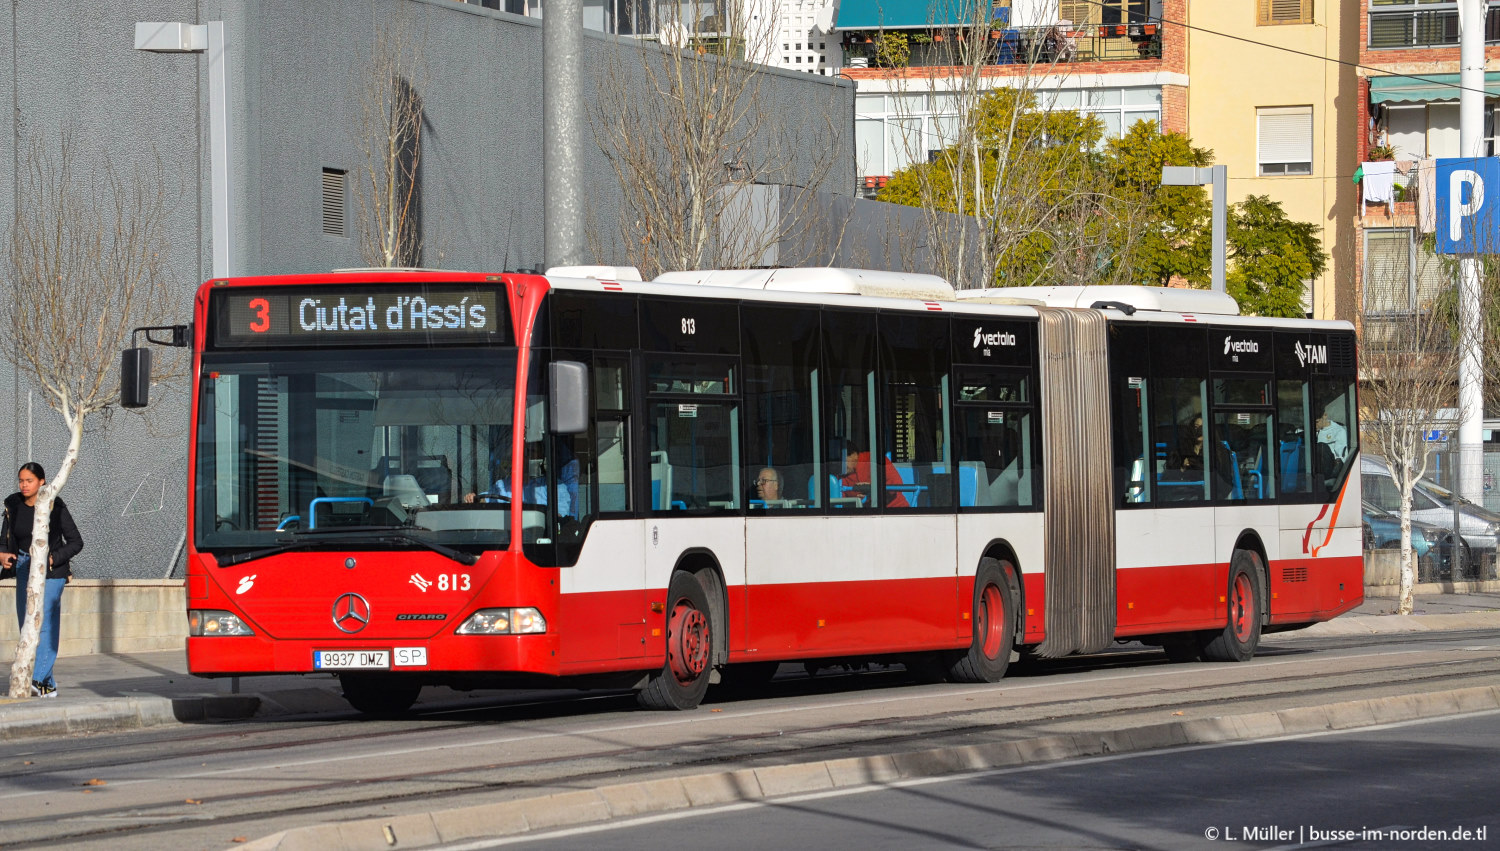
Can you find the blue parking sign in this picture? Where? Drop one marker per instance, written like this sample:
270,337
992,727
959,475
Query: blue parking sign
1468,215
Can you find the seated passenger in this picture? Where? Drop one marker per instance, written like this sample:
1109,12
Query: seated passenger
856,476
768,486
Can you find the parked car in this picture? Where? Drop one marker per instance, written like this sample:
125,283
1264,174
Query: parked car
1431,546
1383,531
1431,503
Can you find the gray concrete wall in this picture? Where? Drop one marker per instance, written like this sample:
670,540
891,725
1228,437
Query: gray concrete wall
293,74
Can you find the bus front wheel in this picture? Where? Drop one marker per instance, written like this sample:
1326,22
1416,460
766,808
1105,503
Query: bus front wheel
994,621
1239,638
683,680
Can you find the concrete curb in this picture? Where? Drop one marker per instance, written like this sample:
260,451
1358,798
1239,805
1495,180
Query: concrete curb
592,806
1389,624
63,717
1428,589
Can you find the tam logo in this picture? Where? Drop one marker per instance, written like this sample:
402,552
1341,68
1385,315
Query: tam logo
1310,354
246,583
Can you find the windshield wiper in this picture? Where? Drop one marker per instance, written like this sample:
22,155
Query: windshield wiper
411,537
373,534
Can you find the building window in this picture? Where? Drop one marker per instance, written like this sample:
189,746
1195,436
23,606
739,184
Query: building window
1271,12
914,126
1421,23
1284,138
1401,275
334,183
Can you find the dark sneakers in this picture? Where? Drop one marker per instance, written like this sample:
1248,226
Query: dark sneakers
42,690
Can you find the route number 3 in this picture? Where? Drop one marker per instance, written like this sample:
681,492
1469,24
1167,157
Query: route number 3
262,310
689,325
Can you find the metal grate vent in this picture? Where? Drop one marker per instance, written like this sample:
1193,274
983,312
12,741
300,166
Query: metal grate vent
333,202
1341,352
1294,574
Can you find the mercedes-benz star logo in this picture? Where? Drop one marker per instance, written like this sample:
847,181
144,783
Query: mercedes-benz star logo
351,613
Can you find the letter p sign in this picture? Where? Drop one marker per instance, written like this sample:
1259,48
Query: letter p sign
1458,180
1467,222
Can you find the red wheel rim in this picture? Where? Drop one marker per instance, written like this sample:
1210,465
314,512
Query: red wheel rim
1242,608
687,643
991,625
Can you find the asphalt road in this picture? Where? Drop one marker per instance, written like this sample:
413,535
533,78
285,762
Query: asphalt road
1409,786
207,786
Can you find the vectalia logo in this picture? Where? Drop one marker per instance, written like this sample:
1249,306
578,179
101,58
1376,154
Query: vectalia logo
1240,346
994,338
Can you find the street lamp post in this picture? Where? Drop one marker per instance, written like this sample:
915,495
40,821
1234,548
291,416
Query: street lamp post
160,37
1218,177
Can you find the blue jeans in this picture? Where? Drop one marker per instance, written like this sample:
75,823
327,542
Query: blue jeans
46,651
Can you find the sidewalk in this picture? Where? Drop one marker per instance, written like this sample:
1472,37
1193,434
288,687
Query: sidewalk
129,691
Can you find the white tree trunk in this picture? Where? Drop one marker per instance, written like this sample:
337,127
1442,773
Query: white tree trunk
1408,561
36,580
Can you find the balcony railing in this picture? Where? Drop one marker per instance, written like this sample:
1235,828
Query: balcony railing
1099,43
1425,28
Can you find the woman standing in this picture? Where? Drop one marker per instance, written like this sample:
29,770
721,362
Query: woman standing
15,545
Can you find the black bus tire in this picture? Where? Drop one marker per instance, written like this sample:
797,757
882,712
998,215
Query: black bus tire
1241,635
993,617
683,679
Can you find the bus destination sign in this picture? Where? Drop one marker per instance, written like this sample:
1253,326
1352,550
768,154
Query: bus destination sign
357,316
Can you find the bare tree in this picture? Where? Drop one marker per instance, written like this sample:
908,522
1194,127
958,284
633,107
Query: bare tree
1409,359
1024,169
86,261
698,147
388,136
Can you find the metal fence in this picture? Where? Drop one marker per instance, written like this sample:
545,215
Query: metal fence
1472,554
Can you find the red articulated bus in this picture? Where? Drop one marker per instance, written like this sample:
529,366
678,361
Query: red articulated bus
412,478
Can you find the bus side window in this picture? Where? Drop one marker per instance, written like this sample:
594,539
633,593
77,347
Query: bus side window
849,413
915,428
610,466
781,387
1136,461
1186,459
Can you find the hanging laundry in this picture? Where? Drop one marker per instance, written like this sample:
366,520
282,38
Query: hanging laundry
1427,195
1379,183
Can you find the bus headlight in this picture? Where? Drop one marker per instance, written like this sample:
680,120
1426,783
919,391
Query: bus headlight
208,622
523,621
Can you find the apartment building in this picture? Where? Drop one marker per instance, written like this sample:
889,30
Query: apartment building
1408,113
1267,85
1272,93
1111,58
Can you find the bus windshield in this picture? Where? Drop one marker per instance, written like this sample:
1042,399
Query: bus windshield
322,446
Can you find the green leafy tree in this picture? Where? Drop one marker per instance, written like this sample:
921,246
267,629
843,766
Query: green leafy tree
1057,204
1032,179
1270,257
1177,242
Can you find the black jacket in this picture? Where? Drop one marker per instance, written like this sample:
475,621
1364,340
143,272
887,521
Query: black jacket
62,537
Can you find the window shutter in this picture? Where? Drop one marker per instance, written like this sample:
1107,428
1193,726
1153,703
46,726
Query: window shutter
1286,135
333,202
1076,11
1283,12
1387,281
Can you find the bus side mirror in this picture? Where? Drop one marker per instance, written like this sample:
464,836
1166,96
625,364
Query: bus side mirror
570,397
135,378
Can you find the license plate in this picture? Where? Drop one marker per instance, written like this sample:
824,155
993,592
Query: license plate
324,660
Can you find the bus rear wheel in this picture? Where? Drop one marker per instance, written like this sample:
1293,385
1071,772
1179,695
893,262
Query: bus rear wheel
1239,638
381,695
683,680
994,621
